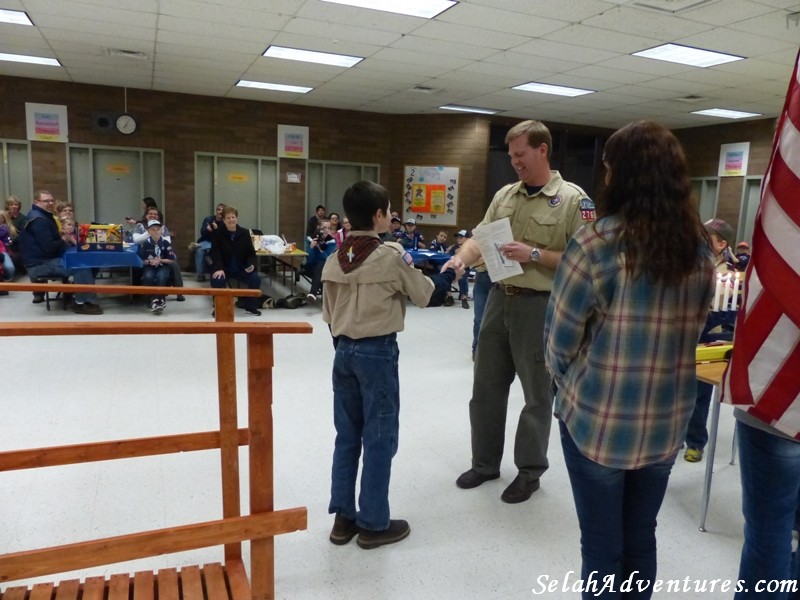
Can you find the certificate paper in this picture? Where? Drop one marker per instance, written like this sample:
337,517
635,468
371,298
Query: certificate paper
490,238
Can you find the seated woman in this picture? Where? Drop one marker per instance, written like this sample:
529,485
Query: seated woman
319,249
234,257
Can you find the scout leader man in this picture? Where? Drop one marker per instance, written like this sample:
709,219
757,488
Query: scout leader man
545,211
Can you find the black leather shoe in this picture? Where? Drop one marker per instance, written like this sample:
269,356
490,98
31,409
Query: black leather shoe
343,530
472,479
519,490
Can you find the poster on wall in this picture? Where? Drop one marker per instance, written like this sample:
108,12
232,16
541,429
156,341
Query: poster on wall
292,141
46,122
733,159
431,195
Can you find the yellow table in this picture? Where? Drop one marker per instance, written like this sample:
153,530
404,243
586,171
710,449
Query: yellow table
288,260
710,373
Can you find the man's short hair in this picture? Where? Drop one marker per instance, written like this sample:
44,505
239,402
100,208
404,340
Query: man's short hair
537,133
39,193
361,201
229,210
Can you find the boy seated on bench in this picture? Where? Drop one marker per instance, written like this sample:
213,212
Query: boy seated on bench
157,255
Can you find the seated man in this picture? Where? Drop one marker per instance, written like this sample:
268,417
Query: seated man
42,249
234,257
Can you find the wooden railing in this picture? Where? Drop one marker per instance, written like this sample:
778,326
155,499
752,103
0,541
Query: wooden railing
259,526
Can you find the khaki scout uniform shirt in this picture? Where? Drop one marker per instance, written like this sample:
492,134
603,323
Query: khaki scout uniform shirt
371,300
546,220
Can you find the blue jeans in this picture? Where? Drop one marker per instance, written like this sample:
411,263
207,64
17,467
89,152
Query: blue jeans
617,511
770,473
54,267
200,256
480,292
366,407
252,280
156,276
697,433
463,285
8,267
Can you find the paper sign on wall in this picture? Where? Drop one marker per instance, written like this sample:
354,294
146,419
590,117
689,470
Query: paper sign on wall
292,141
431,195
46,122
733,159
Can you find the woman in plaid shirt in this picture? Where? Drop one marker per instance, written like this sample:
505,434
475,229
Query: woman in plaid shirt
630,299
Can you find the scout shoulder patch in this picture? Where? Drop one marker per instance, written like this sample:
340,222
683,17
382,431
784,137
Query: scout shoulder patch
587,209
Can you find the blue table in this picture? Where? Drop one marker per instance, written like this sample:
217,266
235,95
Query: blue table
429,256
94,259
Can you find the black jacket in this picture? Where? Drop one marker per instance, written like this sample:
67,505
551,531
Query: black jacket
229,247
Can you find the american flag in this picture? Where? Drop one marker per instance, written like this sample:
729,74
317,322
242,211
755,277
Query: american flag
764,371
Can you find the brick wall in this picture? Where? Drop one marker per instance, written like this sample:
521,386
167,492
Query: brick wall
182,124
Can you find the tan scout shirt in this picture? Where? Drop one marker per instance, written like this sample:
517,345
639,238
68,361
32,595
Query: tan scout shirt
371,300
546,220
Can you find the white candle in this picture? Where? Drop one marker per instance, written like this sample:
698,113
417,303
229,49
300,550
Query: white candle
735,299
717,293
727,292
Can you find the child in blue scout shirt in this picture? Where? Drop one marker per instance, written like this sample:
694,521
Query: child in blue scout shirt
440,243
157,255
412,239
364,298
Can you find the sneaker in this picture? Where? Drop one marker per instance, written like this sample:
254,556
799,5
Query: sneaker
311,299
398,530
181,298
448,301
38,298
253,311
693,455
465,303
343,530
201,278
87,308
157,306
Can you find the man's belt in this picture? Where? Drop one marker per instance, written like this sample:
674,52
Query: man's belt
512,290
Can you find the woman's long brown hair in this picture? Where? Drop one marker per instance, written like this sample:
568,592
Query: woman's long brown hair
649,190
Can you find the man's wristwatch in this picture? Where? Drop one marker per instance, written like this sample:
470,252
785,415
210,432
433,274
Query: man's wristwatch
536,254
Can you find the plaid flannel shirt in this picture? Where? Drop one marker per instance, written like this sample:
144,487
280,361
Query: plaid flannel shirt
621,351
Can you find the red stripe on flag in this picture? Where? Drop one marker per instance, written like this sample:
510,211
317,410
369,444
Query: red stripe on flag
780,288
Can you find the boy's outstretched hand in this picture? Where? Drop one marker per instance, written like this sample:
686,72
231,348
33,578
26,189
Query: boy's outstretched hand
456,265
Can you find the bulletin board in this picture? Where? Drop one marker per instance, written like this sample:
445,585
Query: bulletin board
430,195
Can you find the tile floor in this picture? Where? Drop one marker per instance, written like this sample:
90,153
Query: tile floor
463,544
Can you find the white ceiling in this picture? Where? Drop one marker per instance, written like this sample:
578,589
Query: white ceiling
472,54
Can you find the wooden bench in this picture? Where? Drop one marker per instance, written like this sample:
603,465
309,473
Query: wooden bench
212,581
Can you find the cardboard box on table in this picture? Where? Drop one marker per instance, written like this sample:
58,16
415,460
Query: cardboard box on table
92,236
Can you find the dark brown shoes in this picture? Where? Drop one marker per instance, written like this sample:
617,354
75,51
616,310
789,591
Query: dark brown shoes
472,479
398,530
343,530
519,490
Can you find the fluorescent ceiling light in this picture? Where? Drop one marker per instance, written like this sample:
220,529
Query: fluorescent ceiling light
322,58
278,87
426,9
546,88
35,60
686,55
15,17
470,109
724,113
